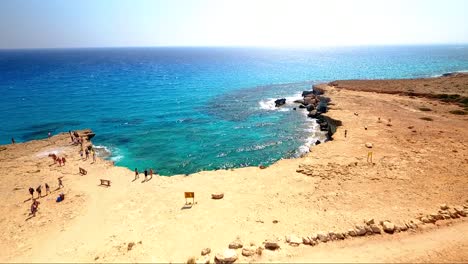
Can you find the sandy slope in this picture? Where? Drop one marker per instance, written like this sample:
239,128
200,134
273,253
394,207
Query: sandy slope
418,164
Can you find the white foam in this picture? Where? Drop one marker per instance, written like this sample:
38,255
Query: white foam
46,153
269,104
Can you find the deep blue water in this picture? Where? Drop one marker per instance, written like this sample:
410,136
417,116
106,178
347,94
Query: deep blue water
181,110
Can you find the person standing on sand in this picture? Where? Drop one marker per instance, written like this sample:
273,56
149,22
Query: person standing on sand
151,173
31,191
49,135
60,182
94,155
63,161
12,141
136,174
146,174
39,191
47,188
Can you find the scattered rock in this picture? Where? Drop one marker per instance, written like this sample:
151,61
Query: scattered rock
227,257
275,221
340,236
217,196
271,245
460,211
259,251
352,232
305,240
249,251
323,236
360,230
206,251
191,260
426,220
369,221
401,227
313,237
96,258
444,207
375,229
130,246
236,244
388,227
369,145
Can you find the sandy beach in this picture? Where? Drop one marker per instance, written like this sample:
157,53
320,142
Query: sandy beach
419,142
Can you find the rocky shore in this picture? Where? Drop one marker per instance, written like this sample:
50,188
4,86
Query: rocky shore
412,190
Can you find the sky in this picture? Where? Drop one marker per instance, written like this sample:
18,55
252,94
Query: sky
278,23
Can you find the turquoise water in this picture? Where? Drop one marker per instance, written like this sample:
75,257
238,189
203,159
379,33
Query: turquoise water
182,110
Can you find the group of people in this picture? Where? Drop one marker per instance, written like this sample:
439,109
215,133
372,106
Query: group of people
35,202
88,151
146,172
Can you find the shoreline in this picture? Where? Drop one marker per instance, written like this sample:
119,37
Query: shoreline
332,188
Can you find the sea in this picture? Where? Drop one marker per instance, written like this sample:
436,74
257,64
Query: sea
181,110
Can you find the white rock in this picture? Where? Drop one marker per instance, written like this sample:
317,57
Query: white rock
388,227
203,260
293,240
228,256
369,145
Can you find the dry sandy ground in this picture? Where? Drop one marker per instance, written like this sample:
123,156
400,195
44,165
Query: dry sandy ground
417,165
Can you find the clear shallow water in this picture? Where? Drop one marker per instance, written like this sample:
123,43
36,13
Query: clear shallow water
182,110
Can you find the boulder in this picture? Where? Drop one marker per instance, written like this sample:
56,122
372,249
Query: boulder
280,102
313,237
460,211
427,220
453,214
305,240
388,227
305,93
340,236
235,244
313,114
352,232
227,257
401,227
375,229
271,245
368,230
369,145
360,230
369,221
217,196
205,251
249,251
323,236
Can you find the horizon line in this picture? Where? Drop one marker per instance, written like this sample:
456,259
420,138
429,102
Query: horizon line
239,46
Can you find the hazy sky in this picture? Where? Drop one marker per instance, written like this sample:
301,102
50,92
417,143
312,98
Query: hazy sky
109,23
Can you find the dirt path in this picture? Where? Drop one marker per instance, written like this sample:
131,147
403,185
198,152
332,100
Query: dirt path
447,244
